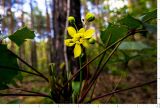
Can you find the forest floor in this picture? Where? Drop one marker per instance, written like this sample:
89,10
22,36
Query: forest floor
137,74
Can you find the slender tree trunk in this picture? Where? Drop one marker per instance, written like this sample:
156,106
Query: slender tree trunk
49,48
22,48
33,46
3,22
59,19
11,25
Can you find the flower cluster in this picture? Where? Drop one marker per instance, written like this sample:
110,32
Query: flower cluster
79,37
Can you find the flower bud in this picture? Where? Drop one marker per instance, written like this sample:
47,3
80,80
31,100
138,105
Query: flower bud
92,40
90,17
71,20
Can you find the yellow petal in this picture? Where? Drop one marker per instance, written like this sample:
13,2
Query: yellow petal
78,35
82,30
68,42
85,43
71,31
77,50
89,33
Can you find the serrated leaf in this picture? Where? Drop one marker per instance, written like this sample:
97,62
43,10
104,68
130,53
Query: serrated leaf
114,32
7,59
133,46
150,15
130,22
20,36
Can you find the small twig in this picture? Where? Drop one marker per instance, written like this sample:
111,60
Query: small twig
117,91
29,65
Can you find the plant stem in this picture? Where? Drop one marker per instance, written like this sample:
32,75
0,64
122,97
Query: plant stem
76,27
29,66
28,91
130,33
37,95
81,72
97,74
11,68
32,93
117,91
92,92
101,62
94,59
103,54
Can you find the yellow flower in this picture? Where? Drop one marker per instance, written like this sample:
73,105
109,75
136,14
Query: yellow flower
79,38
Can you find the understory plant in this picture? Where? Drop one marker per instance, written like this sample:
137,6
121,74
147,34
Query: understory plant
64,88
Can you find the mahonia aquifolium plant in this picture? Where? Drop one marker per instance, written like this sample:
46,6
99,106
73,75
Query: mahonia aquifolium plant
80,37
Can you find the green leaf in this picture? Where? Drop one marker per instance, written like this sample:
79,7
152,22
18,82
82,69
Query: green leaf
130,22
20,36
75,86
114,32
133,46
150,15
7,59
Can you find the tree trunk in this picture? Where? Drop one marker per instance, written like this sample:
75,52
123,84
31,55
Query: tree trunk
22,48
59,19
33,45
11,21
49,48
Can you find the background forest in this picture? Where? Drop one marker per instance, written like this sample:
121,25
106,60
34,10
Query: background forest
134,62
